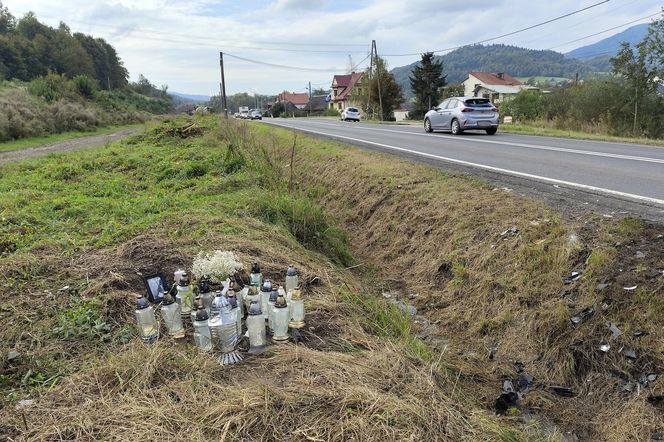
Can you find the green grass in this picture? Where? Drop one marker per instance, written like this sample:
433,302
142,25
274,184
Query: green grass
26,143
527,129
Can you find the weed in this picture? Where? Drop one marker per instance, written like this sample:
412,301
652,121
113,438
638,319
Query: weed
83,320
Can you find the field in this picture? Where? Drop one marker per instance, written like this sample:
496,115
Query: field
485,270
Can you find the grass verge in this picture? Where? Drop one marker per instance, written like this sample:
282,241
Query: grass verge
526,129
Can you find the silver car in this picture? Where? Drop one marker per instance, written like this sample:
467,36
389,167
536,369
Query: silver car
457,114
350,113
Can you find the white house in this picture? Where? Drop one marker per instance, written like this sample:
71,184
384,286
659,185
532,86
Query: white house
497,87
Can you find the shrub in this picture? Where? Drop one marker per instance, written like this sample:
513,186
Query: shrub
50,87
85,86
331,113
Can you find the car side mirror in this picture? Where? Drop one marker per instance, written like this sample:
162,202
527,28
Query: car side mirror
434,108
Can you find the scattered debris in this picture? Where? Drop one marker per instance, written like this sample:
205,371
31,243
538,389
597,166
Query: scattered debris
629,289
492,352
657,436
510,232
605,347
656,399
519,367
574,276
387,295
562,391
639,255
13,355
582,315
615,331
601,287
23,403
628,353
647,378
413,295
63,289
629,387
508,398
640,333
524,382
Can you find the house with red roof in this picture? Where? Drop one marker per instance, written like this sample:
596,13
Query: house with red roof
497,87
346,90
299,101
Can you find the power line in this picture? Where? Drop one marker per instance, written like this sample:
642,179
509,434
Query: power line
606,30
505,35
296,68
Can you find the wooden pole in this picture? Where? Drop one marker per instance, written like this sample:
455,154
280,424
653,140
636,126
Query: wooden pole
292,161
223,85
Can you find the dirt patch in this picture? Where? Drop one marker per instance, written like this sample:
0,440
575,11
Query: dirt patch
66,146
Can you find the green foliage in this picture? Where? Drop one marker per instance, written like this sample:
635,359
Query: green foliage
83,320
51,87
308,223
526,105
390,92
425,82
331,112
85,86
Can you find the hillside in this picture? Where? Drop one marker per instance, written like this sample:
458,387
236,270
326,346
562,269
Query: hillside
611,45
518,62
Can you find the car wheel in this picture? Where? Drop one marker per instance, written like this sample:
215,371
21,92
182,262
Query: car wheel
427,125
492,131
456,127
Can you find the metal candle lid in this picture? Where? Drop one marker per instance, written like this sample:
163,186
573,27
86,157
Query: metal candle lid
267,286
141,302
255,268
184,280
281,302
274,295
168,299
255,309
201,314
253,291
297,294
292,271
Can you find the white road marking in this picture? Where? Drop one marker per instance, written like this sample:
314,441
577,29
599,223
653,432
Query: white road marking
510,144
486,167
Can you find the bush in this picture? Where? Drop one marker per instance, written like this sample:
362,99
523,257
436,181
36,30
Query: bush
51,87
331,113
85,86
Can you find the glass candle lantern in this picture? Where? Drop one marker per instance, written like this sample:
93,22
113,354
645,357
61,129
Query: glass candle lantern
235,311
172,317
255,277
256,328
270,310
228,336
291,279
197,302
185,295
202,334
252,296
280,320
266,289
148,329
296,309
177,275
206,293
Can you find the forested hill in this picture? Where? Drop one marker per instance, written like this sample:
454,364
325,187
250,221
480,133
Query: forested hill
30,49
518,62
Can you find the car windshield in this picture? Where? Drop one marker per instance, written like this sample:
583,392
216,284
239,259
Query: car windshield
478,102
352,109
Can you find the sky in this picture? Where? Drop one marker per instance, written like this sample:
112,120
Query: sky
177,42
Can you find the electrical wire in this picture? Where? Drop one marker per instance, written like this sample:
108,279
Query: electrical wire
606,30
295,68
504,35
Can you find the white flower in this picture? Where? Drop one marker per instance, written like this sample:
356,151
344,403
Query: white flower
217,265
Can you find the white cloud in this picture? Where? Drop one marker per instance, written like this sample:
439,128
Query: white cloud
177,42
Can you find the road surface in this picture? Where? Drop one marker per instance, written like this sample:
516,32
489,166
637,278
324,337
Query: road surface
624,176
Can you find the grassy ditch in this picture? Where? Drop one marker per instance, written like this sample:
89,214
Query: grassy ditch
492,271
78,227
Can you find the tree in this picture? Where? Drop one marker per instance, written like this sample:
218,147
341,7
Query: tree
320,91
453,90
383,90
426,80
655,46
7,21
638,74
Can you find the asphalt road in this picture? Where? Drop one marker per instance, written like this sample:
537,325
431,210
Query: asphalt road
628,176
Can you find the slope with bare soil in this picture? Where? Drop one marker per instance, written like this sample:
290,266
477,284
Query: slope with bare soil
494,272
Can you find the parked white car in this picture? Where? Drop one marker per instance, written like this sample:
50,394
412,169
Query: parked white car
350,114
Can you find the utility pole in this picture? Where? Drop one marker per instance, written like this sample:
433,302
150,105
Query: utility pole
370,71
380,95
222,86
309,98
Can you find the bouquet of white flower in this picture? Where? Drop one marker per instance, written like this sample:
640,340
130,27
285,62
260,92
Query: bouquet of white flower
217,265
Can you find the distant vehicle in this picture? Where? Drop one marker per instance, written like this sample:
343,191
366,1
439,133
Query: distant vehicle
458,114
350,114
244,111
255,114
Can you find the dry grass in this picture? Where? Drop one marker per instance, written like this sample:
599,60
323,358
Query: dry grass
441,236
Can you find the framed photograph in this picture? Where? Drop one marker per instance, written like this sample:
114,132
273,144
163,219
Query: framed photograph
156,286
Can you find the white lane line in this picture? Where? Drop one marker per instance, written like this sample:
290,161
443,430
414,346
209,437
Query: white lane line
510,144
486,167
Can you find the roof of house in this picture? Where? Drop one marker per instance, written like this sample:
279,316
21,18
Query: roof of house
347,82
318,103
296,99
497,79
500,89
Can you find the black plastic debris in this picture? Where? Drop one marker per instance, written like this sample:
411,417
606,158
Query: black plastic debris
640,333
657,436
582,315
656,400
511,232
574,276
647,378
524,382
605,347
615,331
297,336
508,398
629,387
492,353
518,366
562,391
628,353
